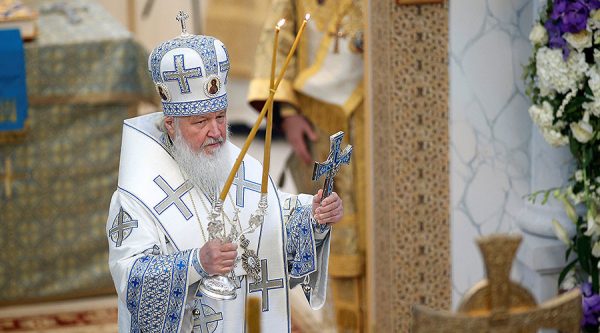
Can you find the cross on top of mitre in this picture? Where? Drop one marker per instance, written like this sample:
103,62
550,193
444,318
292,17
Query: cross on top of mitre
499,305
182,18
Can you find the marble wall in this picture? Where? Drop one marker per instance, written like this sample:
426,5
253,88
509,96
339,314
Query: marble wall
491,131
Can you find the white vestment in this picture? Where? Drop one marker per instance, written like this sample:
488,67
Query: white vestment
154,239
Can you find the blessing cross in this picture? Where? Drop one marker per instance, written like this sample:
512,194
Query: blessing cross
182,17
337,34
332,165
498,305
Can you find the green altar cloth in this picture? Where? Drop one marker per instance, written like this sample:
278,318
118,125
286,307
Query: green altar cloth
83,80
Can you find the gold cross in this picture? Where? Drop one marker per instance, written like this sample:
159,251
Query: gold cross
9,177
337,34
499,305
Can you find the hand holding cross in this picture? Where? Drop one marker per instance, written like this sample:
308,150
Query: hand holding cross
332,165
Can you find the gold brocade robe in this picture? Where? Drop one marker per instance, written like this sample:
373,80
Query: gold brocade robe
324,83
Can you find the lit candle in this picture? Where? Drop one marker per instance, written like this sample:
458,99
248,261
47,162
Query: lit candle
261,116
268,136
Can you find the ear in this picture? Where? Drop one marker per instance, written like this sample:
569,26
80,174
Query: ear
170,126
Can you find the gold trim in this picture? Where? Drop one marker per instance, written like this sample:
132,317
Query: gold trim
356,97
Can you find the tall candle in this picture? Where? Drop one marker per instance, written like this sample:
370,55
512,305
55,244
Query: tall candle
261,116
268,136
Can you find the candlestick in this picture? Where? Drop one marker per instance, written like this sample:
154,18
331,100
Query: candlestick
261,116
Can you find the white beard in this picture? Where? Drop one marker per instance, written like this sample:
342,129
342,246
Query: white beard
207,172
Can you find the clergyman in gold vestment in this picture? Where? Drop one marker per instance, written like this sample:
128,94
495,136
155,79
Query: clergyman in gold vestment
321,94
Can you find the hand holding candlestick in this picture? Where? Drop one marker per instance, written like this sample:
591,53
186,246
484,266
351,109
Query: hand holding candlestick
224,287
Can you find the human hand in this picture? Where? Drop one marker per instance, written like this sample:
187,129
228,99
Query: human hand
296,127
328,211
217,257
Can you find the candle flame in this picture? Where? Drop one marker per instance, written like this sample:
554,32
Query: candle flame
280,23
307,17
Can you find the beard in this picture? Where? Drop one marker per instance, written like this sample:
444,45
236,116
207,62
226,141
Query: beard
207,172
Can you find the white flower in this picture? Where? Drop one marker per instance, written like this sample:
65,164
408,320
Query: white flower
542,116
593,227
582,131
594,106
580,40
561,233
579,175
570,281
555,74
596,250
554,137
594,20
538,35
594,83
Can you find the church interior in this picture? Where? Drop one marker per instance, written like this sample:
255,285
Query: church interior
470,198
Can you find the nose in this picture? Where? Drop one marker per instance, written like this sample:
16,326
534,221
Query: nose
214,131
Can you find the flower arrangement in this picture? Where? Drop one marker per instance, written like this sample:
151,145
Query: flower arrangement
562,79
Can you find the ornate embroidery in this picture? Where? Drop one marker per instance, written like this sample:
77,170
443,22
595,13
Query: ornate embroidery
156,291
203,45
241,184
224,65
122,227
182,74
264,285
300,243
173,197
195,107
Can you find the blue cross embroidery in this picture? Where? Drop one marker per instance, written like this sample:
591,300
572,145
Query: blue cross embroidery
241,184
173,197
177,292
264,285
122,227
182,74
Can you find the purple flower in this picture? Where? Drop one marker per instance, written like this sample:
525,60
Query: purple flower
590,304
574,18
594,4
568,16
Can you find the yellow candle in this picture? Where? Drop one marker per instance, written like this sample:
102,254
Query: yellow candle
268,137
240,157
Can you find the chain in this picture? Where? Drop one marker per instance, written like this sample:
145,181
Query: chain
236,213
198,216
